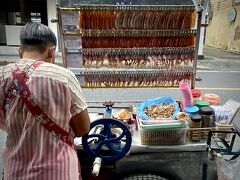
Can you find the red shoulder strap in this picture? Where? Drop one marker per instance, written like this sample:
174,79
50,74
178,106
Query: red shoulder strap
19,86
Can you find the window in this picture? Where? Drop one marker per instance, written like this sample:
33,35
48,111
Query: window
36,17
18,18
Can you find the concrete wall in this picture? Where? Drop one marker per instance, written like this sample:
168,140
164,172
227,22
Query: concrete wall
52,14
220,32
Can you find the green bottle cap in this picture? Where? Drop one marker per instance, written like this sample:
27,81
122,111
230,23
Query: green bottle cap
200,103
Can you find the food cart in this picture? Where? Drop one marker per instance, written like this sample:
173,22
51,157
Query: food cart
150,44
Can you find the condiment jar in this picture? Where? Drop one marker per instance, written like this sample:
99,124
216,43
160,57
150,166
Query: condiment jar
191,110
196,121
196,94
208,117
201,104
212,99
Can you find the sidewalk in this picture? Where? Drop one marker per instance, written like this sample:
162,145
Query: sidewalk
219,60
219,54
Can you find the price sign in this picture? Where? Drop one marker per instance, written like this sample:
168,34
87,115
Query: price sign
74,60
72,42
70,18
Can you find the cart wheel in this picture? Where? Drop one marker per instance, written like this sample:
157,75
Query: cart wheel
108,139
144,177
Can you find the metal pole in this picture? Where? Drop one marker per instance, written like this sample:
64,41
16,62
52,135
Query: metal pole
199,16
201,41
61,36
203,30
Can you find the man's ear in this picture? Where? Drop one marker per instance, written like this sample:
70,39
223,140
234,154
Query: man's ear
51,51
51,54
20,52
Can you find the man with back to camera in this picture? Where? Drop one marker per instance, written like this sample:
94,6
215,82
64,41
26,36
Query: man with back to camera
42,109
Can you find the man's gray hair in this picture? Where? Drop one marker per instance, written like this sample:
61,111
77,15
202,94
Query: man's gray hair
37,36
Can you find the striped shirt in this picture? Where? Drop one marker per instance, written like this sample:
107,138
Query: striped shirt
31,152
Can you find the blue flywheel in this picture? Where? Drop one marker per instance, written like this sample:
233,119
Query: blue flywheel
108,139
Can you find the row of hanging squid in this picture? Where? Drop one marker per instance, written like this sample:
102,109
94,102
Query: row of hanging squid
128,19
149,78
167,61
135,42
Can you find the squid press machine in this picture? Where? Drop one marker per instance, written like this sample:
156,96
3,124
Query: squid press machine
108,141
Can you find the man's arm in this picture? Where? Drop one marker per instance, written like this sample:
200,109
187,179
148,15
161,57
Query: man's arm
2,116
80,123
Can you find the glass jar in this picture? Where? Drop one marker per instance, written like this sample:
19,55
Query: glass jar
208,117
196,121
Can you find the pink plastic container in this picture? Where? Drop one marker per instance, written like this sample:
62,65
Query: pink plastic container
187,99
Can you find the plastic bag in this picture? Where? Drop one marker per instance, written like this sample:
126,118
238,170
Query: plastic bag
156,101
228,170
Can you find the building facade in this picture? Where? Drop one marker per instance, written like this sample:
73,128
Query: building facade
223,30
14,14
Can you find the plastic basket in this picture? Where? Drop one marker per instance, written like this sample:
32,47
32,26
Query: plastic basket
175,136
162,136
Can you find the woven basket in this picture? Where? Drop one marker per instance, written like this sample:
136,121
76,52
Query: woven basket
164,136
196,134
